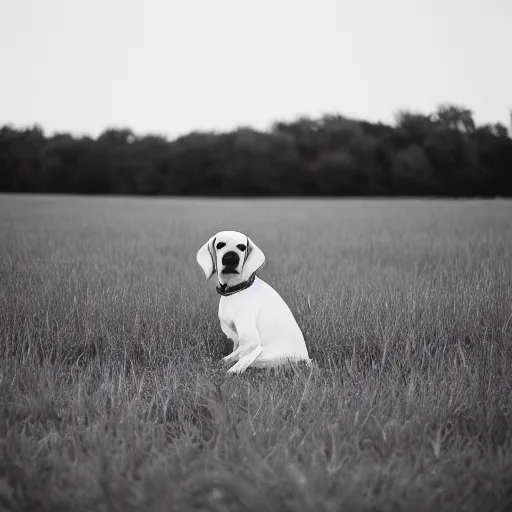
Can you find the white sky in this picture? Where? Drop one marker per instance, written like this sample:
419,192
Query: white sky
171,66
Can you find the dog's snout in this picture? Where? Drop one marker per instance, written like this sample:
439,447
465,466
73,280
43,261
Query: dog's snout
230,259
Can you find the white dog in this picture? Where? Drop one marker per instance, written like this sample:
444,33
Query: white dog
251,312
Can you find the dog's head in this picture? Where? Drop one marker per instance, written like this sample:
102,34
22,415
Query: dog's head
233,256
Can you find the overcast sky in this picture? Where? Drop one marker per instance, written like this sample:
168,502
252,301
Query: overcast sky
172,66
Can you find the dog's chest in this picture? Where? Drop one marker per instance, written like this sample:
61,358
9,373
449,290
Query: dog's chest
243,305
228,313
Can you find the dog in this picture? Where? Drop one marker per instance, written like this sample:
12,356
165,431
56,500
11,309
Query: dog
251,313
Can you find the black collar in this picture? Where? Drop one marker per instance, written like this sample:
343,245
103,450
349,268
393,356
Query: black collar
224,291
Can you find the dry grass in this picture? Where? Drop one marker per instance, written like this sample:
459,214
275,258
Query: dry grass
112,396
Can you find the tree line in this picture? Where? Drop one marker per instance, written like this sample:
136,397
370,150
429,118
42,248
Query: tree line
440,154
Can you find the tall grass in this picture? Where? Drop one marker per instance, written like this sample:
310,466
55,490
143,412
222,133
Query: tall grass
112,396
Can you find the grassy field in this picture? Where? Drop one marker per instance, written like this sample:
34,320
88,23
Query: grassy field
112,396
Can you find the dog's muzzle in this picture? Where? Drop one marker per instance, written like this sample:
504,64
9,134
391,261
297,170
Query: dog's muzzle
230,260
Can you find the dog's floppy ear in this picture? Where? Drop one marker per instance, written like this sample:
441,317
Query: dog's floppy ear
255,259
206,257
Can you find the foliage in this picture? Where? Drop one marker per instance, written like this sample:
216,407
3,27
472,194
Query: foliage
442,154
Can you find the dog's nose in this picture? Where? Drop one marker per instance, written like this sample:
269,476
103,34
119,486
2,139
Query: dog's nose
230,259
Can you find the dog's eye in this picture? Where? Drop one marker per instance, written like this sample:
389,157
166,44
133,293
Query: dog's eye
241,247
220,245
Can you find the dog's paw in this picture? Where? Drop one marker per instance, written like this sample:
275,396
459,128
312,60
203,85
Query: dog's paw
236,369
227,359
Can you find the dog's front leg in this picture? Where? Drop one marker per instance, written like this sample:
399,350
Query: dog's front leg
246,361
237,354
234,355
250,345
230,333
246,334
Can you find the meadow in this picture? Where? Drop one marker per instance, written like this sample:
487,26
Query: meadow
113,398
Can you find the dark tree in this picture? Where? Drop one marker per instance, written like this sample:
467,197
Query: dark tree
439,154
